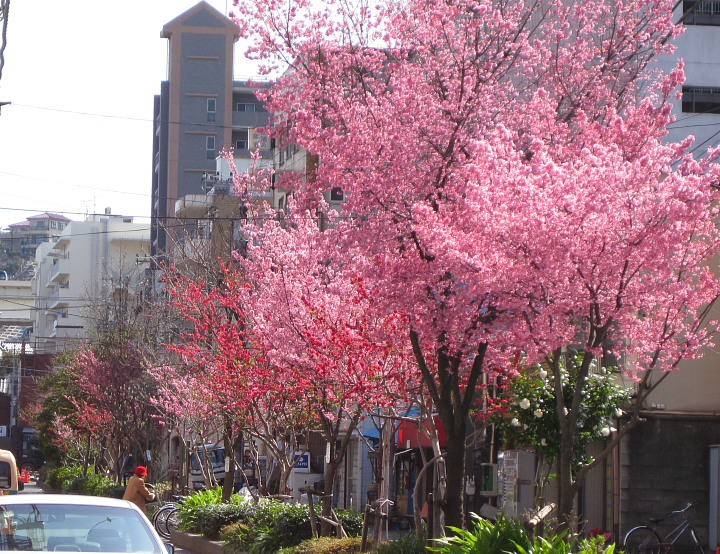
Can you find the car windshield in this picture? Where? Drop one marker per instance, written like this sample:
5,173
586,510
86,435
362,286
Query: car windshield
72,528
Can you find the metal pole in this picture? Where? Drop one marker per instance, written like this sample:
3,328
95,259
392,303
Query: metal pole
713,499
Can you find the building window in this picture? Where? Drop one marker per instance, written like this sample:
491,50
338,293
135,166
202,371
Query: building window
701,100
53,224
336,194
701,12
241,140
211,109
210,147
240,107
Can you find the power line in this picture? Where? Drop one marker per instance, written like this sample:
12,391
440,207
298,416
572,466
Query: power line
211,125
114,191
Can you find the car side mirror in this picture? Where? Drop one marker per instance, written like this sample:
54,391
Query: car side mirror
170,547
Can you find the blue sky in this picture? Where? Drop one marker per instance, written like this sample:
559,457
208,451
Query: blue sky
81,76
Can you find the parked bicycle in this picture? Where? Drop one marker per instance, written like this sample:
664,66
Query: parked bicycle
646,539
167,518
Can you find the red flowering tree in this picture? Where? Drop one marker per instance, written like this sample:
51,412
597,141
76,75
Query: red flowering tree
288,328
113,399
218,361
507,187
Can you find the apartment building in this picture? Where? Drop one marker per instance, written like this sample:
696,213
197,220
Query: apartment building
87,263
25,236
201,111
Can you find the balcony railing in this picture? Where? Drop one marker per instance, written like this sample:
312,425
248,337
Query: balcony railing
701,12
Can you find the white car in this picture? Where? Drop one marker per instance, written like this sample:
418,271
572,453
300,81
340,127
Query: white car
73,523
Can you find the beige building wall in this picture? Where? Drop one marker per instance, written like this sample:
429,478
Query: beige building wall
85,264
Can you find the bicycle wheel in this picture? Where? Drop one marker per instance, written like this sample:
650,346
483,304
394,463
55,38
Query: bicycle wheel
172,522
643,540
160,517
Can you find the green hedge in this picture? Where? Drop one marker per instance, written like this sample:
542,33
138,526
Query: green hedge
262,528
71,480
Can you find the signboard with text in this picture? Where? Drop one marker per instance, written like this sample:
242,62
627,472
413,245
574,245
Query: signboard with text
303,463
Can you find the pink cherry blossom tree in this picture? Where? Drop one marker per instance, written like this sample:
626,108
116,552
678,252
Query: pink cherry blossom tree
507,190
323,333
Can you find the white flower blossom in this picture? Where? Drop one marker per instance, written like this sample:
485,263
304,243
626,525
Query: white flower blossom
543,442
566,411
525,403
542,373
605,431
538,413
618,412
515,422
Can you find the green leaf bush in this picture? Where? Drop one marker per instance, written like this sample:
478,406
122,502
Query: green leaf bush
238,536
71,480
325,545
208,520
509,536
409,543
484,537
262,528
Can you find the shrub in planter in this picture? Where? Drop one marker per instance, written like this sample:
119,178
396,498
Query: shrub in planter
551,545
208,519
204,498
486,537
59,478
78,485
100,485
43,473
325,545
238,536
116,491
281,525
352,521
409,543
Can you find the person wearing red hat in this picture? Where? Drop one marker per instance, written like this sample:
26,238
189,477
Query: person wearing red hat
137,491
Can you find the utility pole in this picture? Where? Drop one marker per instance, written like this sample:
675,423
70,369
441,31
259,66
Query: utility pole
4,13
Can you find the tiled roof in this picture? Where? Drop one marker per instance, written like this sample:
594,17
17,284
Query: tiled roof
48,215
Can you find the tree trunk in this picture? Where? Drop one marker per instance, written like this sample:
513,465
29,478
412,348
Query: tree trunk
285,473
454,494
327,500
386,489
566,492
86,457
452,389
229,480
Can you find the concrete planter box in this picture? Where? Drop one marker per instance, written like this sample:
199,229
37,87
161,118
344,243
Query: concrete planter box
199,544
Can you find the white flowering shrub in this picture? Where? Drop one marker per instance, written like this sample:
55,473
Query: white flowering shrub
527,413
